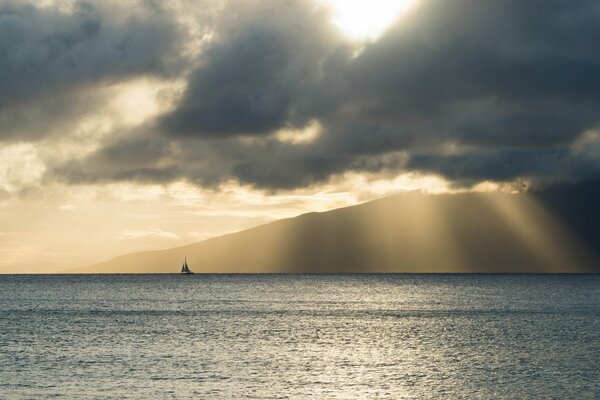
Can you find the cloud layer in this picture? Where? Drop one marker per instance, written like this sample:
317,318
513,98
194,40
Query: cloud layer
468,90
51,58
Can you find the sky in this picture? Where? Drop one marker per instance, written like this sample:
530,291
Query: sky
132,125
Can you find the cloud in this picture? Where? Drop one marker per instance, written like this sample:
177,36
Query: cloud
136,156
49,55
473,91
259,73
20,168
137,234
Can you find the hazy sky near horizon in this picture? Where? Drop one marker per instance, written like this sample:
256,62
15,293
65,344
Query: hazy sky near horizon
131,125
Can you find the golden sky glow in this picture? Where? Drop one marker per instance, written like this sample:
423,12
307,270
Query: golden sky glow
100,222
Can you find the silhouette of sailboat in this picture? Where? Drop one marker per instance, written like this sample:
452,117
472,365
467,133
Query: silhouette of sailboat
184,268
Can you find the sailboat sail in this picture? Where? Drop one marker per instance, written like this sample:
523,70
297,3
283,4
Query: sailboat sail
184,268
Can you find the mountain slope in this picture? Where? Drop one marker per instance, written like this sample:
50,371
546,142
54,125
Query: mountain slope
409,232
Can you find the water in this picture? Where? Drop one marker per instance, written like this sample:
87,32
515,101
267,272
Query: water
300,336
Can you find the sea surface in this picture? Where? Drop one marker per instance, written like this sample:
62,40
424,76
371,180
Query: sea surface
300,336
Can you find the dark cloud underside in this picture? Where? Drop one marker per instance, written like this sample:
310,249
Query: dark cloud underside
467,89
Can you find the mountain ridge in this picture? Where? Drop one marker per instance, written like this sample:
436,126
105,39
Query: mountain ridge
406,232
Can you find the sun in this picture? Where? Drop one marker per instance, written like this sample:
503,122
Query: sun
366,19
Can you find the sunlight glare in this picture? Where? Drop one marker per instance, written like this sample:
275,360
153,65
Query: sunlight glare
367,19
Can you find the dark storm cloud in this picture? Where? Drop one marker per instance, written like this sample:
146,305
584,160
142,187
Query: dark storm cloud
514,83
468,89
259,74
493,165
505,73
47,55
139,156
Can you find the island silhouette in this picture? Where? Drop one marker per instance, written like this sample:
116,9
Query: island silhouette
545,231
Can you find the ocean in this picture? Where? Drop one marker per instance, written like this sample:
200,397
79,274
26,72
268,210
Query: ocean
300,336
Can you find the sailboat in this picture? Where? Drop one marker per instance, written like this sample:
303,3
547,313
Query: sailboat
184,268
